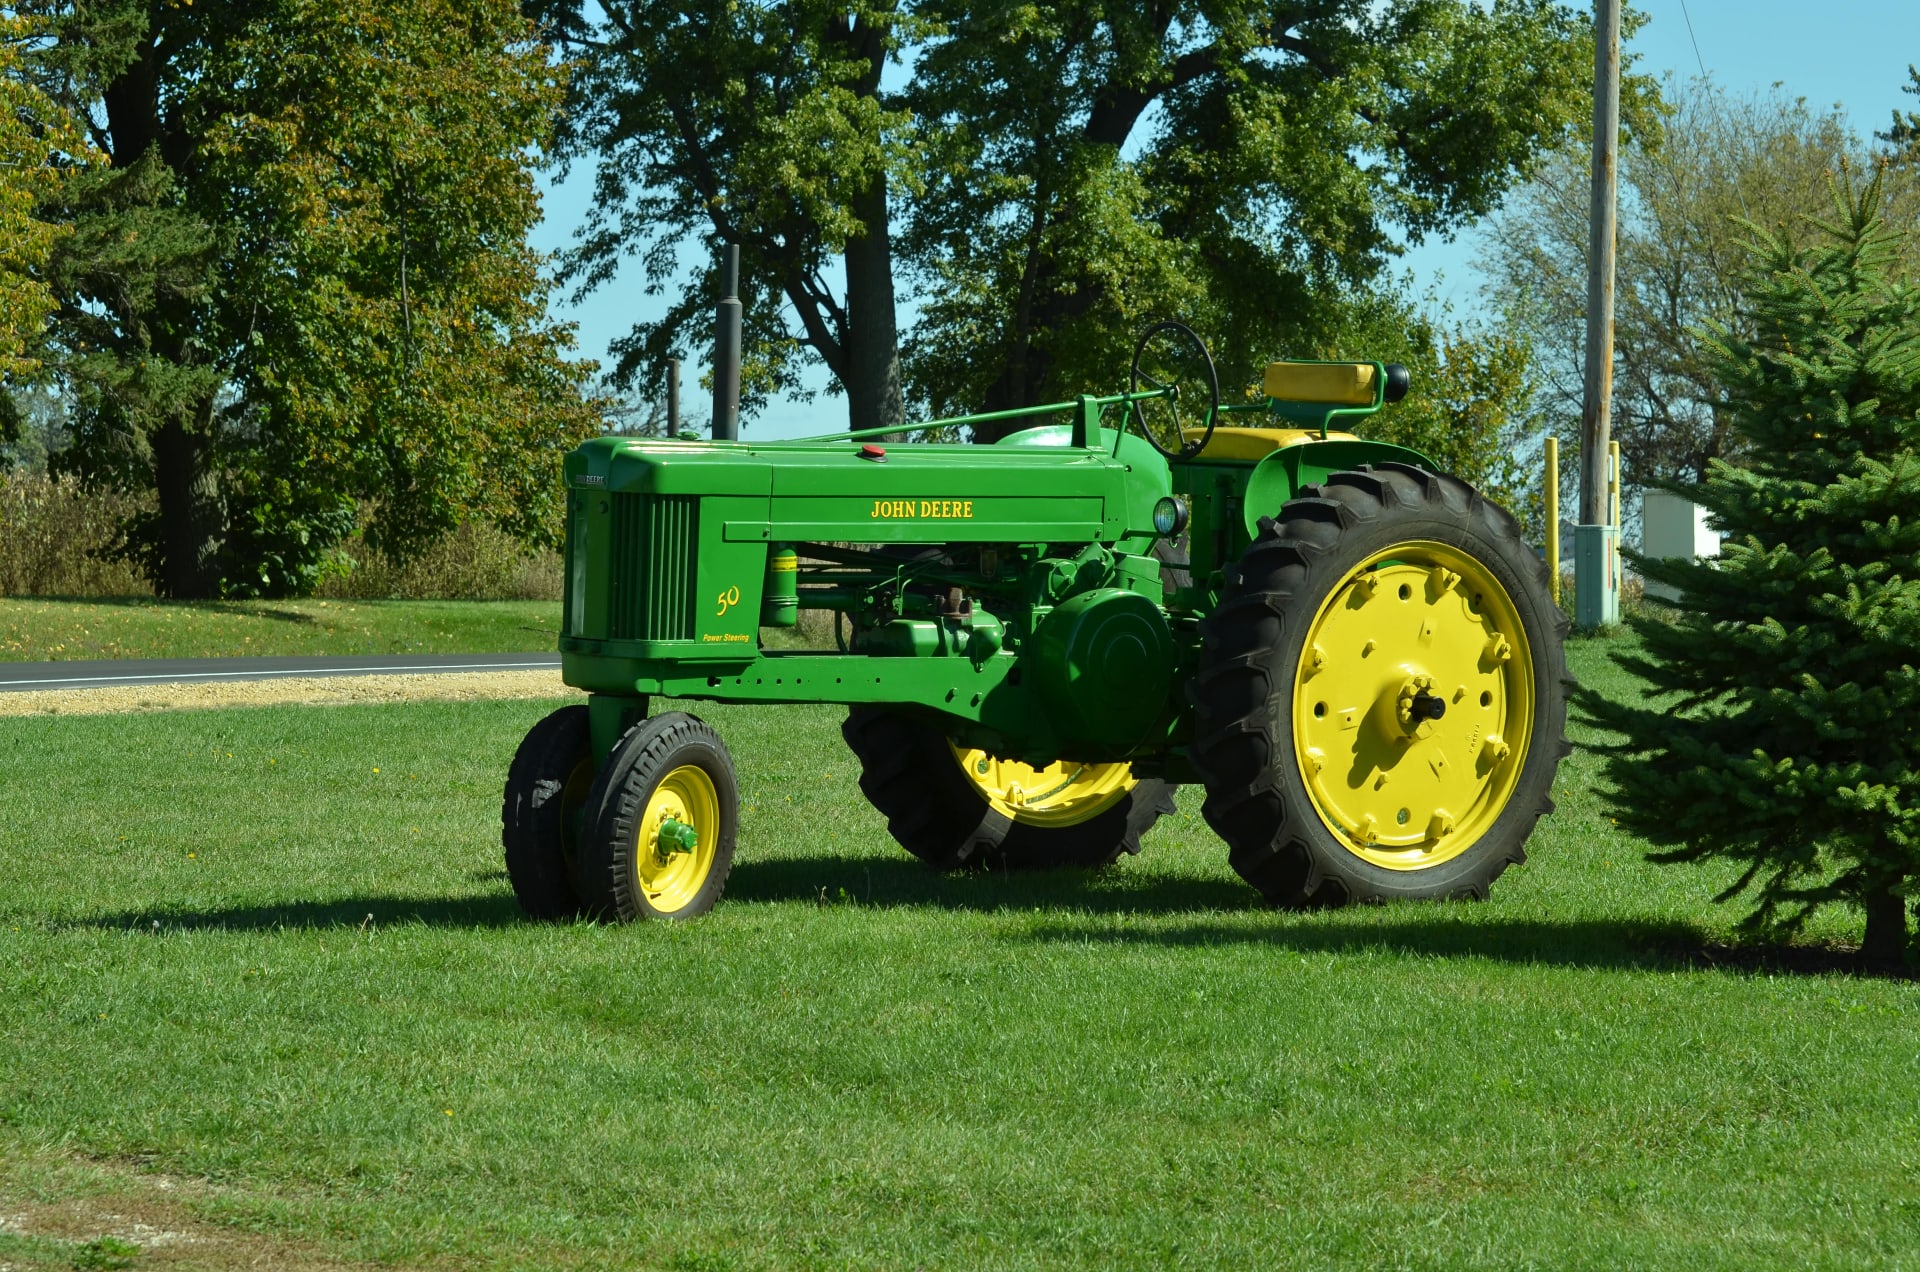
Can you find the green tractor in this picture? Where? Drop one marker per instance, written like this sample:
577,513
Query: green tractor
1355,655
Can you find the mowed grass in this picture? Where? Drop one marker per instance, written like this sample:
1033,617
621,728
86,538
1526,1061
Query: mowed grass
32,630
267,959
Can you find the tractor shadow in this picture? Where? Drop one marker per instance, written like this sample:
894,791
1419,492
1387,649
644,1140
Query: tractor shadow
363,913
894,883
1068,906
1211,913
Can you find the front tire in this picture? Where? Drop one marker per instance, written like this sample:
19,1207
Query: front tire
662,820
955,808
1380,709
547,787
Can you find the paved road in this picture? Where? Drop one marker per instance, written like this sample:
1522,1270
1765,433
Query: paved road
153,671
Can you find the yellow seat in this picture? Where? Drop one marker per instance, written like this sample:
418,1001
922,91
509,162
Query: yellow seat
1254,443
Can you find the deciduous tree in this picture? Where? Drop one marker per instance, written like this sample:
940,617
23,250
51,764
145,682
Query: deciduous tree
1055,174
761,126
1688,179
302,286
39,143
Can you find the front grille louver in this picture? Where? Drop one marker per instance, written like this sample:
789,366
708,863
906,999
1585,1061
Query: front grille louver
655,538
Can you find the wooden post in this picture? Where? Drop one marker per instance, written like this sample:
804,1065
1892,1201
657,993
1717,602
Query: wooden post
1596,572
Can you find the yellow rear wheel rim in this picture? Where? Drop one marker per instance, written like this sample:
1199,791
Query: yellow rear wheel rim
670,877
1418,622
1064,793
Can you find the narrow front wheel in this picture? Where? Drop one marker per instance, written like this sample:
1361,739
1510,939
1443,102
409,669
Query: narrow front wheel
540,816
663,816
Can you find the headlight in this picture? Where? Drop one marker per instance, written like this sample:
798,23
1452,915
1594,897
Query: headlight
1170,516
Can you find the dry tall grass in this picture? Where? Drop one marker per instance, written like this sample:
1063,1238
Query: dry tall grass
477,562
54,540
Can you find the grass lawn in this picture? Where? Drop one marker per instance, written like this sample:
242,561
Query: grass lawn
262,975
33,630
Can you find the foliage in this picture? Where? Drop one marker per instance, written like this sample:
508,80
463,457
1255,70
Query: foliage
757,124
477,562
1060,173
1903,134
1246,167
38,140
1685,184
1791,666
1468,410
304,281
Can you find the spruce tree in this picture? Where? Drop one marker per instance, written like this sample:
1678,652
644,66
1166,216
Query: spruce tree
1780,732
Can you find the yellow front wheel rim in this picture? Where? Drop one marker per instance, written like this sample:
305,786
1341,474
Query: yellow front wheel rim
1064,793
1402,783
671,872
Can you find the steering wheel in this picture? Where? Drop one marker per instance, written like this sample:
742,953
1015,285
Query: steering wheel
1172,360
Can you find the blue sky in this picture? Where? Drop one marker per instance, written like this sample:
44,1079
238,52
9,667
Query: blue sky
1850,53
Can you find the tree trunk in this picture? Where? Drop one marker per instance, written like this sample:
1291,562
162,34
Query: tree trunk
873,340
190,516
1886,939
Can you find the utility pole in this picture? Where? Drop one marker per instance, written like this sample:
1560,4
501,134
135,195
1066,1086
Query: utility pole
673,397
1596,556
726,350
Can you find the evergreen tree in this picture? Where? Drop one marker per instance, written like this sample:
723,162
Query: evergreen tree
1786,687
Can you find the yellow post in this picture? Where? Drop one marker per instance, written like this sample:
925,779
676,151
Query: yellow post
1613,484
1553,517
1613,507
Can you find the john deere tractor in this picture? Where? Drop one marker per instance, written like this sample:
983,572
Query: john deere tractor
1354,654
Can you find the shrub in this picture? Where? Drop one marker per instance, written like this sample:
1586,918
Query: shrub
477,562
55,539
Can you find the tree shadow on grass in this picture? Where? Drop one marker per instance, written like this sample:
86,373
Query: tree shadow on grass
1469,930
251,608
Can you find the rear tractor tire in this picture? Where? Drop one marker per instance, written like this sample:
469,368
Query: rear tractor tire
953,807
1380,707
547,787
661,823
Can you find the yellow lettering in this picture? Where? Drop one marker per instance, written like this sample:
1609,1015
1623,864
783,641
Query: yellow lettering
968,509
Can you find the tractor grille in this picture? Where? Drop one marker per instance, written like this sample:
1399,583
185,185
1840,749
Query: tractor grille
654,542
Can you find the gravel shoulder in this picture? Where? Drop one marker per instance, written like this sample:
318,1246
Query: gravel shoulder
292,691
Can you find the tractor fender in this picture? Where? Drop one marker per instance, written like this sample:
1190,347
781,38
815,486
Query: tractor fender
1279,476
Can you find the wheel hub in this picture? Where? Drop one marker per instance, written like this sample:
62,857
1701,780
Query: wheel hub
675,836
677,833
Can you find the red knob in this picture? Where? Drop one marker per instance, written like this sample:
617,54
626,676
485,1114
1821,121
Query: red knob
870,451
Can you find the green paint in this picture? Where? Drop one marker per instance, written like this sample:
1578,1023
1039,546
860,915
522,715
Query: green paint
1010,590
